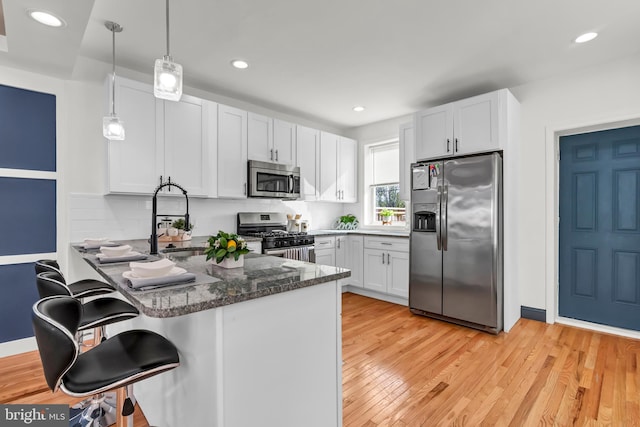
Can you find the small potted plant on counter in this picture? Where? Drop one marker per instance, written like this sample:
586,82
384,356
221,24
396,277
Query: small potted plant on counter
227,249
386,215
179,224
347,222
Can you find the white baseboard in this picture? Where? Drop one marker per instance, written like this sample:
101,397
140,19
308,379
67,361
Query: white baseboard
24,345
377,295
599,328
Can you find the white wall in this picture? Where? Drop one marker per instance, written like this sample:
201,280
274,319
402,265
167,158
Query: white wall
594,95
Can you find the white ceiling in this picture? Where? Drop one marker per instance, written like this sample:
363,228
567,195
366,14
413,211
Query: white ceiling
319,58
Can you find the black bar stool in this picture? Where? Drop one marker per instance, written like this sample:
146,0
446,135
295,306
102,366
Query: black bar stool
95,315
81,288
119,361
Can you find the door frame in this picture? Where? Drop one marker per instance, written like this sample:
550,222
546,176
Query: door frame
553,132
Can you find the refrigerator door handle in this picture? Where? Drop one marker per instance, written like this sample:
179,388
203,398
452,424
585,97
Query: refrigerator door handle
438,219
445,232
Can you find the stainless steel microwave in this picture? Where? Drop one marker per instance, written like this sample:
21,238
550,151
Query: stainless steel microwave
272,180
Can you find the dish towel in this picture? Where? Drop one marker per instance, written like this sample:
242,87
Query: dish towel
146,283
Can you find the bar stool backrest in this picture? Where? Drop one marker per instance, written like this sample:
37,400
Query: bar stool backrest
44,265
52,284
55,322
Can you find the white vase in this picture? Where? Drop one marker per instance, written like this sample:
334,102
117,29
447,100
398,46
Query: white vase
230,262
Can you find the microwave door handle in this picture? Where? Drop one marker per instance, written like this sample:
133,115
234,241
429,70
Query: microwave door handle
291,182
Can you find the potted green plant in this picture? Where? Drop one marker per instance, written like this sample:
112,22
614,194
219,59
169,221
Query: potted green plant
386,215
347,222
183,234
227,249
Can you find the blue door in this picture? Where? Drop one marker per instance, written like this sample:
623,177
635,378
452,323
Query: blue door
600,227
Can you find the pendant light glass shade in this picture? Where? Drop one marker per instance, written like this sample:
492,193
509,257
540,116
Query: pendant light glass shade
112,126
167,82
167,75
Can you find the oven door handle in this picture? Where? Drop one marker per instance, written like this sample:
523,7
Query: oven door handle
277,252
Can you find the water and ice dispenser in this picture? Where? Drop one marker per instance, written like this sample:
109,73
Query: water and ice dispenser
425,220
425,205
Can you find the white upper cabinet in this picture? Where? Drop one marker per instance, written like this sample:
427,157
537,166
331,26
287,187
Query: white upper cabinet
475,124
284,142
260,137
307,153
186,153
338,168
271,140
165,140
328,166
407,156
347,167
459,128
136,164
434,132
232,152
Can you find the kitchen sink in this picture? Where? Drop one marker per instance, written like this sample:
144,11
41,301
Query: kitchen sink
181,254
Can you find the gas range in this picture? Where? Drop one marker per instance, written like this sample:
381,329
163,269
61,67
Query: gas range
282,239
271,228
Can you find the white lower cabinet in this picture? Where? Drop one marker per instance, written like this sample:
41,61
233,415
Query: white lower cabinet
349,255
325,250
386,265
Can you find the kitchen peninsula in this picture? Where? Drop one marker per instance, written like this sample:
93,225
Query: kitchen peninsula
259,345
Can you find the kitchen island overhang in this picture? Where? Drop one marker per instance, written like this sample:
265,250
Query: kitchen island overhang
259,345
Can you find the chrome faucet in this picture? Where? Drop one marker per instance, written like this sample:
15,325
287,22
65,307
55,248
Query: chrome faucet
153,241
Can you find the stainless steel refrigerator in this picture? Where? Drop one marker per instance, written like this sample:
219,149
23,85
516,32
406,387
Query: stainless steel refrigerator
456,241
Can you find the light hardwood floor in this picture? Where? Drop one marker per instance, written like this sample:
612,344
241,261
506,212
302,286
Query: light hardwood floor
406,370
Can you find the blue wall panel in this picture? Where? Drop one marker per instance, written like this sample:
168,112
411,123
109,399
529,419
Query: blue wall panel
27,129
27,215
19,293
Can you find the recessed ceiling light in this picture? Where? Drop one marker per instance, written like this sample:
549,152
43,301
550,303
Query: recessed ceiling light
586,37
358,108
239,63
46,18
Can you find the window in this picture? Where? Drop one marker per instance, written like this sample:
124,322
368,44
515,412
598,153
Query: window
384,206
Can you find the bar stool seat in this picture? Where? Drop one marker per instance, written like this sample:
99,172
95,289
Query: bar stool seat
80,289
105,311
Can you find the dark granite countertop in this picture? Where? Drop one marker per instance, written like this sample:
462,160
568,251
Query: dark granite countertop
214,286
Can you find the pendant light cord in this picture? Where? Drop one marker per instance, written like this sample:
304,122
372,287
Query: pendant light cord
167,18
113,74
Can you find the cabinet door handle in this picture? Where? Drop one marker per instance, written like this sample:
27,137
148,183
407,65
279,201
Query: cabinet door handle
245,188
160,179
456,144
388,258
383,258
338,243
276,155
272,154
448,143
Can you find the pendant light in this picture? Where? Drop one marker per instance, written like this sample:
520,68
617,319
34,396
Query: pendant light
112,126
167,75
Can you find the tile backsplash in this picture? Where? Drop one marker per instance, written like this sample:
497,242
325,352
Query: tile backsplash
129,217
